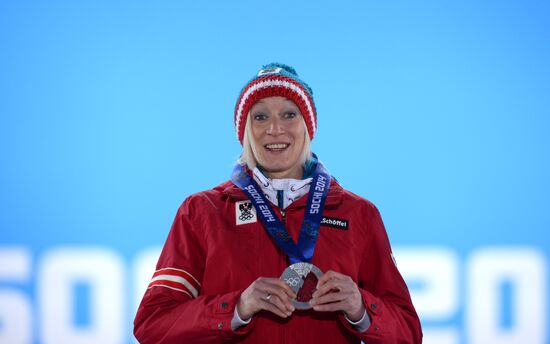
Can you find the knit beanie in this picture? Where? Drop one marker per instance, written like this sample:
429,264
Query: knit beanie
276,79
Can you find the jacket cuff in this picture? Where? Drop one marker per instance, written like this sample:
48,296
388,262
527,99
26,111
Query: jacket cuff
224,313
237,322
362,324
374,309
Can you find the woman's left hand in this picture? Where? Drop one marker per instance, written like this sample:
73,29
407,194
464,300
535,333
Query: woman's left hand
338,292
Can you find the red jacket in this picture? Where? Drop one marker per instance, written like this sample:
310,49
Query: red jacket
208,260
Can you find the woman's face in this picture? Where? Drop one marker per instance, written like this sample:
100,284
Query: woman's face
278,136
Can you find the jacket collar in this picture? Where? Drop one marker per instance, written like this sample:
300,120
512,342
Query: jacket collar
290,189
334,197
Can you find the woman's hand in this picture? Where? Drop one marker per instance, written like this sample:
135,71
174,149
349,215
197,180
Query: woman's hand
270,294
338,292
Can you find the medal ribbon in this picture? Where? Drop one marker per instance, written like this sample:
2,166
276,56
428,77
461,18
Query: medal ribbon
318,191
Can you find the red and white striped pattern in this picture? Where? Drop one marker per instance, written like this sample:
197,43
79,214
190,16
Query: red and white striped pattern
270,86
176,279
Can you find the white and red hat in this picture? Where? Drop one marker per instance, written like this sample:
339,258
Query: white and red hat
276,79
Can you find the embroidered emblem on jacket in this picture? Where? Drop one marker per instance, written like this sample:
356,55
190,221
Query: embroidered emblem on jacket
245,212
335,223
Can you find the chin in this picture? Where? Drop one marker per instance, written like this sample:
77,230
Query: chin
274,165
275,168
282,170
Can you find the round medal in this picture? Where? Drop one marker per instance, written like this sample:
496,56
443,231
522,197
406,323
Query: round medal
302,278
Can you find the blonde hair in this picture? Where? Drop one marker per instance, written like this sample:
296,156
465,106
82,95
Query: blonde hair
248,156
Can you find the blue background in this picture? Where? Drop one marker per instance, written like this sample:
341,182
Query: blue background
111,113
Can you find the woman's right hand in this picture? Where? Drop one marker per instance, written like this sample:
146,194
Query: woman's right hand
270,294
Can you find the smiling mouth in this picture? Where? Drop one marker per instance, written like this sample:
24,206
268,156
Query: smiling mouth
276,146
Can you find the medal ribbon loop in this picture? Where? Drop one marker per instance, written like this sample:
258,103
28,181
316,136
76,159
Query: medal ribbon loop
309,232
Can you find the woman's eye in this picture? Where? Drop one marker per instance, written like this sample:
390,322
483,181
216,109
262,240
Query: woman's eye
290,115
260,117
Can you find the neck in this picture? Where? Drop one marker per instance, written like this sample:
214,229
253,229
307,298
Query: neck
294,173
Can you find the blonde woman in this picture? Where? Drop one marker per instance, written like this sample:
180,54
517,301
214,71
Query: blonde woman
281,253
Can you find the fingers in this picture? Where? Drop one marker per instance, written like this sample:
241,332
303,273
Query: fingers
277,306
330,307
353,310
281,302
255,298
331,275
333,281
329,298
337,292
282,284
279,290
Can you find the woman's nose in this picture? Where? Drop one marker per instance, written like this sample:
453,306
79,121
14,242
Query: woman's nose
275,127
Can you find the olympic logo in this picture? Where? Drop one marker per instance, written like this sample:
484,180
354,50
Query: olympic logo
246,211
293,281
246,216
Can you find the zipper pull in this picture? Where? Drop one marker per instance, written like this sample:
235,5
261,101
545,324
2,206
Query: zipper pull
283,214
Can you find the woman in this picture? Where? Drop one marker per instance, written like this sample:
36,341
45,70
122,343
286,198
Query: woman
281,253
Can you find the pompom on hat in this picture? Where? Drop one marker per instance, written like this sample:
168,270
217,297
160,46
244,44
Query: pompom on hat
276,79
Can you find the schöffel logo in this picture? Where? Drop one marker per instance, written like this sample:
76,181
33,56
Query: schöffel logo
335,223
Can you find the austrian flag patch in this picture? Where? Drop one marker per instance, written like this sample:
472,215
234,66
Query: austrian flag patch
176,279
245,213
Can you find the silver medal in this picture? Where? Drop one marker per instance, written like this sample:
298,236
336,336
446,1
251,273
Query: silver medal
302,278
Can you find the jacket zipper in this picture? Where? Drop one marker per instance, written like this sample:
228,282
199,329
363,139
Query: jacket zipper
280,204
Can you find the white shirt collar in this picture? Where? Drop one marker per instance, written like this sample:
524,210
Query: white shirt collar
292,188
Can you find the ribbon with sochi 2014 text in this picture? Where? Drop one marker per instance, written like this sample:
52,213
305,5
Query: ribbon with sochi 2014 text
304,249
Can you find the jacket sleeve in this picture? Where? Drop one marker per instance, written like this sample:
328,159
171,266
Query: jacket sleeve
385,294
173,309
